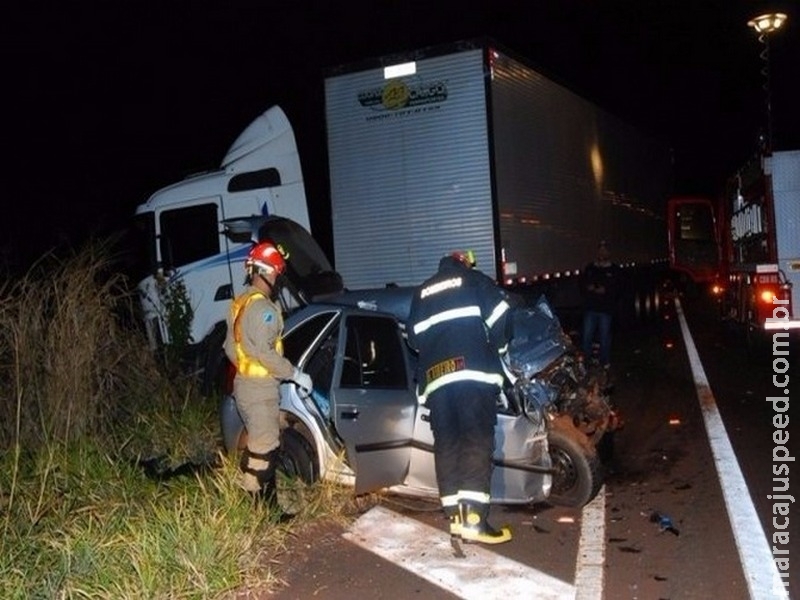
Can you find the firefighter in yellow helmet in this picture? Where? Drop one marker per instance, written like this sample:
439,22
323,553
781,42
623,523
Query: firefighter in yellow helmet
458,323
254,345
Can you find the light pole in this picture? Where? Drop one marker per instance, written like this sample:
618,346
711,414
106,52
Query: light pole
765,25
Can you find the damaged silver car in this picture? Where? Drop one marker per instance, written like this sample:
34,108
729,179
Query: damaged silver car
363,425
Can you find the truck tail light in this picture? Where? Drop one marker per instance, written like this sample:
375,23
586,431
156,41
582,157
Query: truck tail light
767,296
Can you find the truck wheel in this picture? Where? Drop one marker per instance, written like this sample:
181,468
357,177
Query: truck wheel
296,470
215,364
756,342
577,477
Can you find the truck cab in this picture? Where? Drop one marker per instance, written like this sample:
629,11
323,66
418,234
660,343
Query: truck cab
185,244
761,245
693,238
746,246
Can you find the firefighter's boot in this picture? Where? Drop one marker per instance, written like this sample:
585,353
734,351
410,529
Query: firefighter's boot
258,474
474,526
453,514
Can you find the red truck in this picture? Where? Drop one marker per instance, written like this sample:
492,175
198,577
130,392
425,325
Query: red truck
694,237
747,245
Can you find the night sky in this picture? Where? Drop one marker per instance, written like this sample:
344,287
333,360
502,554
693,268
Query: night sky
108,101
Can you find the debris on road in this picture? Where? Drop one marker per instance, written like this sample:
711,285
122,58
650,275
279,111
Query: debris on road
664,523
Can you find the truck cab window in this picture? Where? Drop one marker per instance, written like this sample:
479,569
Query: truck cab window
188,235
140,257
696,223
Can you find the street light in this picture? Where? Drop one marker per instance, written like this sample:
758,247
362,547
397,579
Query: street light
765,25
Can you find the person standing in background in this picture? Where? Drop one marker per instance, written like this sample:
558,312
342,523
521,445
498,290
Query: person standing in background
600,287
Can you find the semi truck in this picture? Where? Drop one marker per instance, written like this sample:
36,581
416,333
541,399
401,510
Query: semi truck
461,146
746,244
761,243
694,236
468,146
195,234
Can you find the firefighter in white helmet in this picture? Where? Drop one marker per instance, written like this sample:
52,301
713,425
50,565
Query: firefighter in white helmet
254,345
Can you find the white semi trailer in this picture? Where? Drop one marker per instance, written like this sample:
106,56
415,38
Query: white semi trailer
467,146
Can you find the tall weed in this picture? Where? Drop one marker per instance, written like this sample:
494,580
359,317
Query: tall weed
67,367
84,405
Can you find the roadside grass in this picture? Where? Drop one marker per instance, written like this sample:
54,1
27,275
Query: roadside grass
112,482
84,525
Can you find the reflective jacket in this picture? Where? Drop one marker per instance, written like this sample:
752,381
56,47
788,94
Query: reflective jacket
458,323
254,341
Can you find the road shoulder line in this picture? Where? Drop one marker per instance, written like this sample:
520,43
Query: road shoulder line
590,566
751,542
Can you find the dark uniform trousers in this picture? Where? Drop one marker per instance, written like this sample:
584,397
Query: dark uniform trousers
463,418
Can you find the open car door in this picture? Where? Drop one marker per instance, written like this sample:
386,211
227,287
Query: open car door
373,400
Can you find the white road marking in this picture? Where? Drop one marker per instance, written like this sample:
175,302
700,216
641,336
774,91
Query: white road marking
754,549
426,552
482,574
589,569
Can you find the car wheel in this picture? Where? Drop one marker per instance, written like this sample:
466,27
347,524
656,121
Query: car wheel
577,477
296,470
234,433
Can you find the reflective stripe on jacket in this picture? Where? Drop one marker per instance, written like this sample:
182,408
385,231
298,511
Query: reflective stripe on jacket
458,323
246,365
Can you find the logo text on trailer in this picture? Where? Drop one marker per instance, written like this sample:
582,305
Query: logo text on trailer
398,94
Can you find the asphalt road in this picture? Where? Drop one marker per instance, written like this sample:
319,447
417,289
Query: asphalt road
667,460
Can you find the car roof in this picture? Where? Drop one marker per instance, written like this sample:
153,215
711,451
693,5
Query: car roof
394,301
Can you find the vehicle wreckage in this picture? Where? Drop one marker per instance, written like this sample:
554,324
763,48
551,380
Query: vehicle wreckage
363,426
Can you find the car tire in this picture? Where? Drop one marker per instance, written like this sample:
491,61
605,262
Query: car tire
234,433
577,477
296,470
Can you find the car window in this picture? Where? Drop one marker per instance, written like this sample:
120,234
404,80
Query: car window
298,340
373,354
320,364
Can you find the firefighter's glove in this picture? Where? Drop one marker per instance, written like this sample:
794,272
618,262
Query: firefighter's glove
302,380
